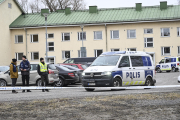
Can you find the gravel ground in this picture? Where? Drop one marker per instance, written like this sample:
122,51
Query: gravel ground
156,106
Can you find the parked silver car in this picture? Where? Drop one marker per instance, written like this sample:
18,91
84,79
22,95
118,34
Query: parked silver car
4,68
35,79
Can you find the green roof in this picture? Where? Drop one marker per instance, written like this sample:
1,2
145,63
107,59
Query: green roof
114,15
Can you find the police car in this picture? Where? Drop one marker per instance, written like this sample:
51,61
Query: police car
168,64
122,68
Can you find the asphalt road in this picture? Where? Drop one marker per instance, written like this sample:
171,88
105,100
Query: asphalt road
162,79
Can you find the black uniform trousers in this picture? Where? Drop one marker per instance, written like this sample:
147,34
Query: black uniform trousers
25,80
14,80
44,80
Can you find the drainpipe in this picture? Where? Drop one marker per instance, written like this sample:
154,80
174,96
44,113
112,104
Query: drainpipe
106,38
26,41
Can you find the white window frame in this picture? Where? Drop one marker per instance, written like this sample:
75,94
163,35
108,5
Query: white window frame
9,5
162,31
16,55
178,50
145,42
95,35
62,34
50,47
114,49
16,39
79,53
48,36
63,54
31,36
95,52
178,31
128,34
32,55
163,51
145,31
79,36
113,33
129,49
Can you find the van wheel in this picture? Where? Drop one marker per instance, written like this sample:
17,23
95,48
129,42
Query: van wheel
89,89
39,83
2,83
173,69
116,83
159,70
60,83
148,82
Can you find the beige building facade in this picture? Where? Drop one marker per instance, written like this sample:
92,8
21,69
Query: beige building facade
121,43
9,11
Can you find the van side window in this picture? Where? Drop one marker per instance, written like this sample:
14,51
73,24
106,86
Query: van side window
146,61
136,61
125,59
168,60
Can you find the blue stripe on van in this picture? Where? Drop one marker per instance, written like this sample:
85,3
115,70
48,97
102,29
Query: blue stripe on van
173,59
146,61
120,73
173,65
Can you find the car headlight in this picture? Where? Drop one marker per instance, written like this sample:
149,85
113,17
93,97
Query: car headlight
83,74
106,73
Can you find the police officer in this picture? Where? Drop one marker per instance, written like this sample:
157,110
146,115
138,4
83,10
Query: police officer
43,72
25,68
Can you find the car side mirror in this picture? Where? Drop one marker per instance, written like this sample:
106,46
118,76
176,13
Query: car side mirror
123,65
159,62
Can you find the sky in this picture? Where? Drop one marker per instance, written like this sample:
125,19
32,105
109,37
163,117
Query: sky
125,3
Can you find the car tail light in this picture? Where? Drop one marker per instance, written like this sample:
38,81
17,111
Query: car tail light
71,74
51,72
177,63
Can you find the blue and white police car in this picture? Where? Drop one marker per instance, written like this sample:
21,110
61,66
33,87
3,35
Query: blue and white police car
168,64
122,68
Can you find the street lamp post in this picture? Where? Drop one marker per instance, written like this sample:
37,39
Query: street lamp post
46,15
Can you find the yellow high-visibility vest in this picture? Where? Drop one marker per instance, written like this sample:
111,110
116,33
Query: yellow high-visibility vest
43,68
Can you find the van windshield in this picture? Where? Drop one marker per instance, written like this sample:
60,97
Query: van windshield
110,60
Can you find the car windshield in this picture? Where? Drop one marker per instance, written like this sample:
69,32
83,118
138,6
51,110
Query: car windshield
110,60
84,66
52,67
4,68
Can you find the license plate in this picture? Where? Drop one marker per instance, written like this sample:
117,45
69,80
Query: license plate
91,83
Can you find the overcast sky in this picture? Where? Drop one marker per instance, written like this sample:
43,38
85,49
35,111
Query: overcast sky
125,3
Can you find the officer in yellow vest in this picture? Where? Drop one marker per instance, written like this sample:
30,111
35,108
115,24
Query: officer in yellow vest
42,70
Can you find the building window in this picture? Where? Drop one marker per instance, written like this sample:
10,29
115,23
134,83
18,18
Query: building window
166,50
18,38
178,31
131,49
34,38
34,55
19,56
66,54
65,36
165,32
148,42
115,34
80,35
178,50
131,33
115,50
97,35
50,35
79,53
50,46
98,52
148,31
9,5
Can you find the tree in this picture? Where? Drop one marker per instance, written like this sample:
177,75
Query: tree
24,4
78,4
35,6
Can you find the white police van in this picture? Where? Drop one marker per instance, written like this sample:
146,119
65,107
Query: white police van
122,68
168,64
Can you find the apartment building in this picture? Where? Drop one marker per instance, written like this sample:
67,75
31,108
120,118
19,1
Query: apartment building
153,29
